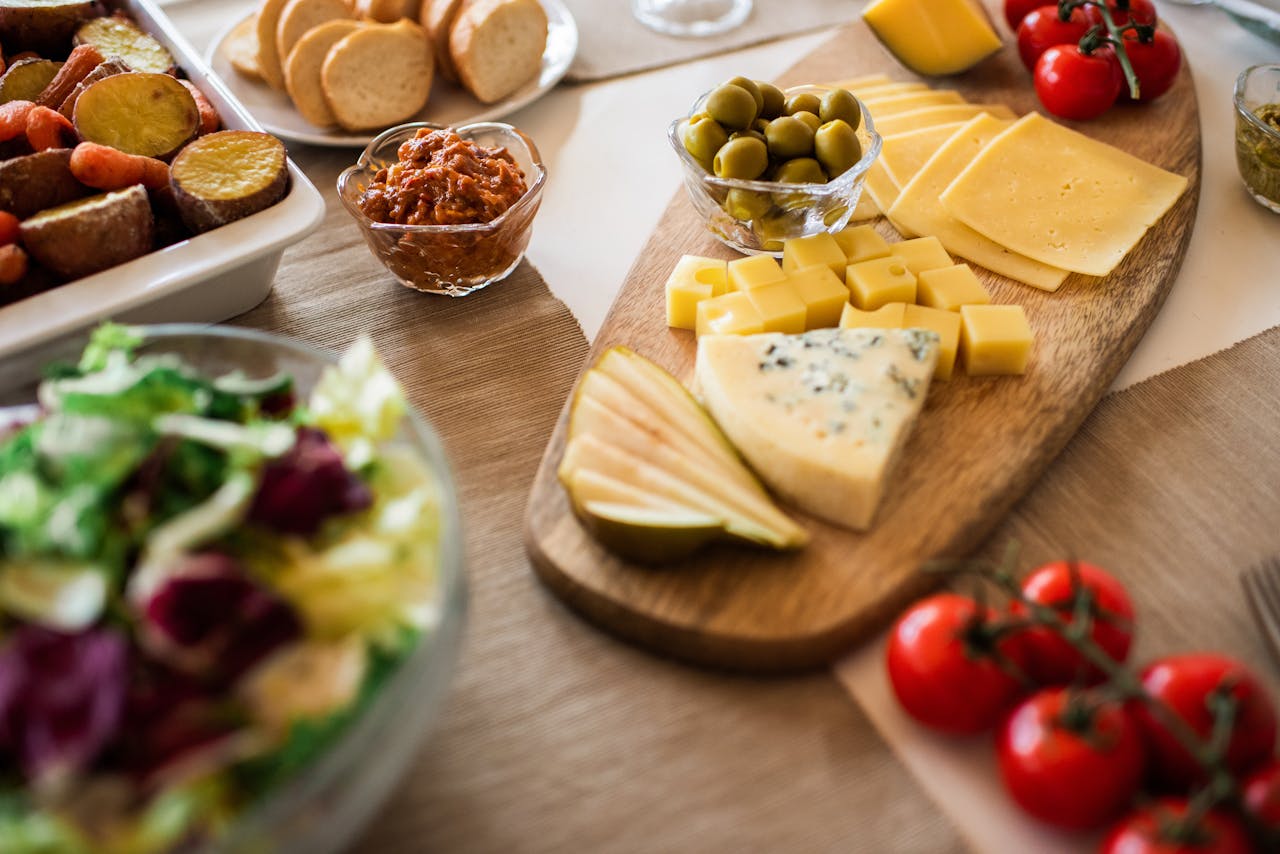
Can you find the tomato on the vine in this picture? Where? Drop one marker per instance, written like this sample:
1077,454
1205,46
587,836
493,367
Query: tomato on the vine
1185,684
1041,30
1016,10
1262,795
1051,658
1156,829
1156,63
945,667
1069,759
1077,85
1139,12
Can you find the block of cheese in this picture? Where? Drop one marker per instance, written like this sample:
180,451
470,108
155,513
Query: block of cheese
823,293
1060,197
862,243
933,37
821,248
946,324
931,116
948,288
731,314
780,308
891,316
879,282
995,339
904,102
822,417
753,272
921,254
692,280
917,209
905,154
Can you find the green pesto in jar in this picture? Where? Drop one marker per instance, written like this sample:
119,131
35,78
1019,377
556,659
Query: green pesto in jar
1258,153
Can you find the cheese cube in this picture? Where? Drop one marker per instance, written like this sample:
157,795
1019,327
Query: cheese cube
820,248
780,308
692,280
946,324
880,282
994,339
933,37
754,271
921,254
862,243
730,314
948,288
823,293
888,316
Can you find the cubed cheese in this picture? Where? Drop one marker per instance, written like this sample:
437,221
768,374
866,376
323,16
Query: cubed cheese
754,271
880,282
948,288
921,254
889,316
823,293
731,314
861,243
995,339
780,308
692,280
820,248
946,324
933,37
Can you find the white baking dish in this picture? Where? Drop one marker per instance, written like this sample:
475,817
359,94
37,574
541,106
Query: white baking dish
207,278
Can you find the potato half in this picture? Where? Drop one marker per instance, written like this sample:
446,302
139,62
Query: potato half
85,236
228,175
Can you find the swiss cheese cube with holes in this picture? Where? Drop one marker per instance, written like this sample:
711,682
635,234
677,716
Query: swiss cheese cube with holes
880,282
692,280
889,316
730,314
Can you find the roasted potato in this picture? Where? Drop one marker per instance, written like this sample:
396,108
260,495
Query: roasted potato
120,37
83,237
26,79
44,26
224,176
34,182
139,113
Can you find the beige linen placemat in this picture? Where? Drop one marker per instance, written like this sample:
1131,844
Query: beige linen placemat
611,42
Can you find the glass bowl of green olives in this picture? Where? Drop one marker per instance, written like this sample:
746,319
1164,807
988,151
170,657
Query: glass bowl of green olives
763,165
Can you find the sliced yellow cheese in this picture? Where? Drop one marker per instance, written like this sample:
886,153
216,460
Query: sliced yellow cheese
866,209
904,154
917,210
908,101
933,36
881,187
864,82
884,90
931,116
1060,197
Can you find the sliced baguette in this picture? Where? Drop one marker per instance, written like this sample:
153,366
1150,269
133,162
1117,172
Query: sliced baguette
300,16
303,68
387,11
269,59
497,46
437,18
360,92
241,48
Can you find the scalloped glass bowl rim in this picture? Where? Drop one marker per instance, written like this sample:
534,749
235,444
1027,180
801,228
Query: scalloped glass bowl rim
365,162
846,179
1238,99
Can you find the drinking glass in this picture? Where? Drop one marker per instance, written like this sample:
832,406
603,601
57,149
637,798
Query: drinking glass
694,18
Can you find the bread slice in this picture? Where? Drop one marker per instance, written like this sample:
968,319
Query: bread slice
303,67
299,16
356,82
497,46
387,11
437,18
268,54
241,48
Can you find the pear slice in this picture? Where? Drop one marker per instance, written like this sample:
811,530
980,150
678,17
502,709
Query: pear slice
648,535
586,485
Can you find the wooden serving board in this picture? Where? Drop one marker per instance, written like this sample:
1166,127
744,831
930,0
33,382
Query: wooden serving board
976,449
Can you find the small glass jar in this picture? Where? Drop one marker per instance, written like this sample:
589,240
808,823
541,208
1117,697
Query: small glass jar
1257,102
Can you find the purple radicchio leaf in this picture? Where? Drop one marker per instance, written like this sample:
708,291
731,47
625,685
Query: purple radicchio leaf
61,698
306,486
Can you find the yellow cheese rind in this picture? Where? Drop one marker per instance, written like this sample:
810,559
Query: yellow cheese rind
917,209
933,37
931,116
1060,197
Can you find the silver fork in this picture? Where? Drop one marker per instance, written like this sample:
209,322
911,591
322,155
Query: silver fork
1262,590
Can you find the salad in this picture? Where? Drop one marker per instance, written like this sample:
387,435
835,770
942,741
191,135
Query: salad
203,580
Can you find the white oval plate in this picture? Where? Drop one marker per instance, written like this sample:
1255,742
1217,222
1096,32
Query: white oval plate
449,104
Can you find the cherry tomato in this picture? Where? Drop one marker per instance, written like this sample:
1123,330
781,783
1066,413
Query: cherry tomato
1184,684
1041,30
942,667
1016,10
1140,12
1154,829
1075,85
1051,659
1262,794
1070,760
1156,63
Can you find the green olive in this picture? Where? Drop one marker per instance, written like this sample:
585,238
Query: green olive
760,125
789,137
746,204
752,89
801,170
744,158
840,104
703,137
753,134
837,147
810,119
806,103
774,101
731,106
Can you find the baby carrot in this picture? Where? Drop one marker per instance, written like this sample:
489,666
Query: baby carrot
13,264
9,227
107,168
13,119
210,121
45,128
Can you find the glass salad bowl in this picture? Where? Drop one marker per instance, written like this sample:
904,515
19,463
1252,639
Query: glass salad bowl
756,217
308,782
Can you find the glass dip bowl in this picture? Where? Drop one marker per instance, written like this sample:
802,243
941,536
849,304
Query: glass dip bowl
780,211
452,260
1257,93
323,807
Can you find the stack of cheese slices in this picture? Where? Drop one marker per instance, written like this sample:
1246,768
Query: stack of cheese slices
364,64
1025,198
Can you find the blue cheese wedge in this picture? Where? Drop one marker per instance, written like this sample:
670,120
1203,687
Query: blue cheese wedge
822,417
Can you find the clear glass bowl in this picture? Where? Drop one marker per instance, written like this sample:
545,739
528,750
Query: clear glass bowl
323,809
453,260
1257,142
789,210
